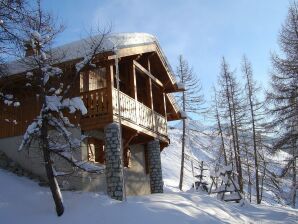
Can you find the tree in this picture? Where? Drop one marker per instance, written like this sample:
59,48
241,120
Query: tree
254,107
219,127
230,101
282,98
190,101
51,127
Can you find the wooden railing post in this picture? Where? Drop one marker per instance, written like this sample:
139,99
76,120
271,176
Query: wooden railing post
110,87
151,104
134,91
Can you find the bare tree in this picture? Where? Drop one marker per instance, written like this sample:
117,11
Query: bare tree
254,106
51,128
190,101
283,95
229,93
217,116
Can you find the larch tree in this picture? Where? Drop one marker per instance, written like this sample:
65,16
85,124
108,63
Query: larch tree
190,101
217,116
229,100
283,95
51,128
254,117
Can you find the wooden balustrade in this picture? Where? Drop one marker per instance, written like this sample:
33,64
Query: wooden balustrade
128,106
96,102
145,116
138,113
160,124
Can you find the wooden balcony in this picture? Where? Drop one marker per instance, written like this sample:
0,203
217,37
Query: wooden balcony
134,114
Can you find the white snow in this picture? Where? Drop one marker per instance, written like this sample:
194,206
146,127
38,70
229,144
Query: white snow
36,35
181,85
16,104
23,201
73,104
183,114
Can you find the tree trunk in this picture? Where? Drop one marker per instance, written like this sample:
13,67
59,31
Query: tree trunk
183,147
49,169
294,183
248,173
240,178
220,131
252,112
228,94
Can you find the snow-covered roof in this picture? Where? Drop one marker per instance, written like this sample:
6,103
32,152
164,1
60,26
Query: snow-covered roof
78,49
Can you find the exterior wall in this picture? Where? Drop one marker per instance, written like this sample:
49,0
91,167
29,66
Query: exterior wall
137,182
30,160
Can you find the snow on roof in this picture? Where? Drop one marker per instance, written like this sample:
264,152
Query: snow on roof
78,49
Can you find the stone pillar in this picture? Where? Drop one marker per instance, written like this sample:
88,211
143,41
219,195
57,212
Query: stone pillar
113,161
156,182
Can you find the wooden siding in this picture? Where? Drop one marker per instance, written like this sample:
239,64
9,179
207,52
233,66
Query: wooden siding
15,120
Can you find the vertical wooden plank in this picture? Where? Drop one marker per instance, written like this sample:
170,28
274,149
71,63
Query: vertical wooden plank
134,92
148,64
165,106
151,104
110,86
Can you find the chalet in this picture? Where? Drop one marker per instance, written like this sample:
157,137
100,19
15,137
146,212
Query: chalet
142,105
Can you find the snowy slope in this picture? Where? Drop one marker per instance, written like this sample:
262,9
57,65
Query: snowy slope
23,201
198,144
204,144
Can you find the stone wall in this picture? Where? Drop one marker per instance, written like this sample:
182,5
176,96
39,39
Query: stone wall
156,182
114,175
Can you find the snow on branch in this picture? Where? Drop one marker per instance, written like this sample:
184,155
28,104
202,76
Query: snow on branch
32,129
56,103
83,165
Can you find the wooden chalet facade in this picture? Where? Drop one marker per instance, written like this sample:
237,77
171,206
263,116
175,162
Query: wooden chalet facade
145,86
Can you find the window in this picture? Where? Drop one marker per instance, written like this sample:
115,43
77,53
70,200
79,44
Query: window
127,157
93,79
95,151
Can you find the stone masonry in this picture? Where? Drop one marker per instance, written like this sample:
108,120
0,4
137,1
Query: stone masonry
156,182
113,161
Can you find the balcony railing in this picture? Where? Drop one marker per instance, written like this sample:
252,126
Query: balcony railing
96,102
138,113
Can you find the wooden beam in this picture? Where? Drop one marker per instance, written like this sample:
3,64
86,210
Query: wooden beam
110,86
144,71
133,81
165,105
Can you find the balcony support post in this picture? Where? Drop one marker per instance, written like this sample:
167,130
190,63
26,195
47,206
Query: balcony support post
156,182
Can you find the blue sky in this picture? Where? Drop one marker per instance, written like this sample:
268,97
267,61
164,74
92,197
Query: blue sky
201,30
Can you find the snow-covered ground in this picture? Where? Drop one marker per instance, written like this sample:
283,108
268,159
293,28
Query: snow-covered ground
24,201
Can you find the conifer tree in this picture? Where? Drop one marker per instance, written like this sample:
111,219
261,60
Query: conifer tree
190,101
283,95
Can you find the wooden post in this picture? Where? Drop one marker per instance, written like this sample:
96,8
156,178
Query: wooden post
151,103
110,87
134,92
148,64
